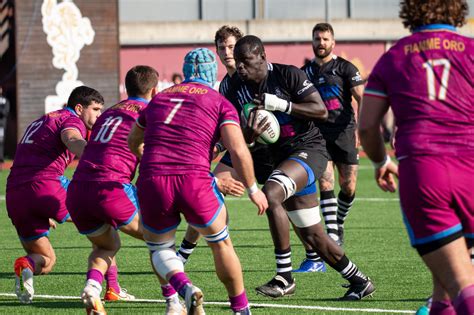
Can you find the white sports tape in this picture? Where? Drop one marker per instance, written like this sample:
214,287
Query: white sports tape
305,217
157,246
218,237
165,261
287,183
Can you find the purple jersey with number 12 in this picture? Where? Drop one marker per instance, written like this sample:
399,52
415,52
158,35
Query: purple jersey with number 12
182,125
107,157
41,154
427,78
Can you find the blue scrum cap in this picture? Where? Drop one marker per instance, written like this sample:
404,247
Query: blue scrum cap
200,63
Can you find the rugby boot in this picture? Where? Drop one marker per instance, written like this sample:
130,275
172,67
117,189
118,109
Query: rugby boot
357,292
123,295
174,306
311,266
91,298
194,300
24,280
277,287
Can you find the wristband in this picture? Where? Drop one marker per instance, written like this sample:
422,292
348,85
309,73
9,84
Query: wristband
382,164
252,189
274,103
288,108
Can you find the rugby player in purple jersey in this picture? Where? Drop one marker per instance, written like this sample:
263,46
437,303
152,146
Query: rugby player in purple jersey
36,186
175,137
101,198
225,38
427,80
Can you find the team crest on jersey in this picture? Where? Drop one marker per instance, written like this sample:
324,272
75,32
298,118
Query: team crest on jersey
303,155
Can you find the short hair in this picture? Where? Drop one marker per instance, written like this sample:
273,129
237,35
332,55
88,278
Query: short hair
323,27
140,80
416,13
225,32
176,76
253,44
84,95
200,63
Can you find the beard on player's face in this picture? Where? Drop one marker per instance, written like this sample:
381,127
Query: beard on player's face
322,52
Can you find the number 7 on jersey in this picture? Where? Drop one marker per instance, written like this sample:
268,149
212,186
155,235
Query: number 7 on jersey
175,109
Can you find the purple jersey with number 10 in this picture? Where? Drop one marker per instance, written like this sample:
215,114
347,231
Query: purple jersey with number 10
181,128
427,79
41,154
107,157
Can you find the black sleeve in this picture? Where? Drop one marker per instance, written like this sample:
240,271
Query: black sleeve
351,75
299,85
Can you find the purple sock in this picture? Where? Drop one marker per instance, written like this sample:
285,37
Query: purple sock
96,275
179,281
111,277
239,302
442,308
31,262
167,290
464,302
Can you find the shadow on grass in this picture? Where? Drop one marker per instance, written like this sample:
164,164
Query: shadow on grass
44,304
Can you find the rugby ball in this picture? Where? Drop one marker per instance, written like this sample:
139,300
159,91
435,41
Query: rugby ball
270,135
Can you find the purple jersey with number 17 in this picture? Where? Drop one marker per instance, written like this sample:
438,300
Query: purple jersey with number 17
427,78
107,157
182,125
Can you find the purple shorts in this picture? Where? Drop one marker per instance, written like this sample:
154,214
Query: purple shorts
93,204
162,198
32,204
437,199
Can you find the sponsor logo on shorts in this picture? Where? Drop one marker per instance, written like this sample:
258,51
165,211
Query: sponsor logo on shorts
303,155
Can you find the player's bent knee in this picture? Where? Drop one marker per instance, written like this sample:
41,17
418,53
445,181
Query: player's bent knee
164,258
303,218
286,183
218,237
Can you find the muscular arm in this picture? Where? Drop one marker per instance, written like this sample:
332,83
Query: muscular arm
311,107
74,141
357,92
135,141
241,159
371,115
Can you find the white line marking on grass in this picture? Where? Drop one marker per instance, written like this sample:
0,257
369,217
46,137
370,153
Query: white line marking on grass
286,306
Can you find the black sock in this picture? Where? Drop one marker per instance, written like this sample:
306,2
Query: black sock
283,263
344,205
185,250
328,203
312,255
349,271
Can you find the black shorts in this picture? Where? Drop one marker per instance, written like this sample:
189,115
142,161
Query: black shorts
263,162
341,146
312,156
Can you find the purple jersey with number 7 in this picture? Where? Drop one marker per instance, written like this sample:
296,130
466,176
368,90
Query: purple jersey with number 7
427,78
182,125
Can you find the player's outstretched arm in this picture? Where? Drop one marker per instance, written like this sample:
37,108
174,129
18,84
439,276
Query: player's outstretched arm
233,140
310,107
371,114
135,140
74,141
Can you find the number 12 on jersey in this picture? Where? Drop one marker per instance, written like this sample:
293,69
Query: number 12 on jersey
430,78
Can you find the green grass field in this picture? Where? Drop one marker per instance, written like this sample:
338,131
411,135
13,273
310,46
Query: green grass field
375,240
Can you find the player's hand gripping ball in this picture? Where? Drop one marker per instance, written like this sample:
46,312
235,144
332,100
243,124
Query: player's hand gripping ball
272,133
